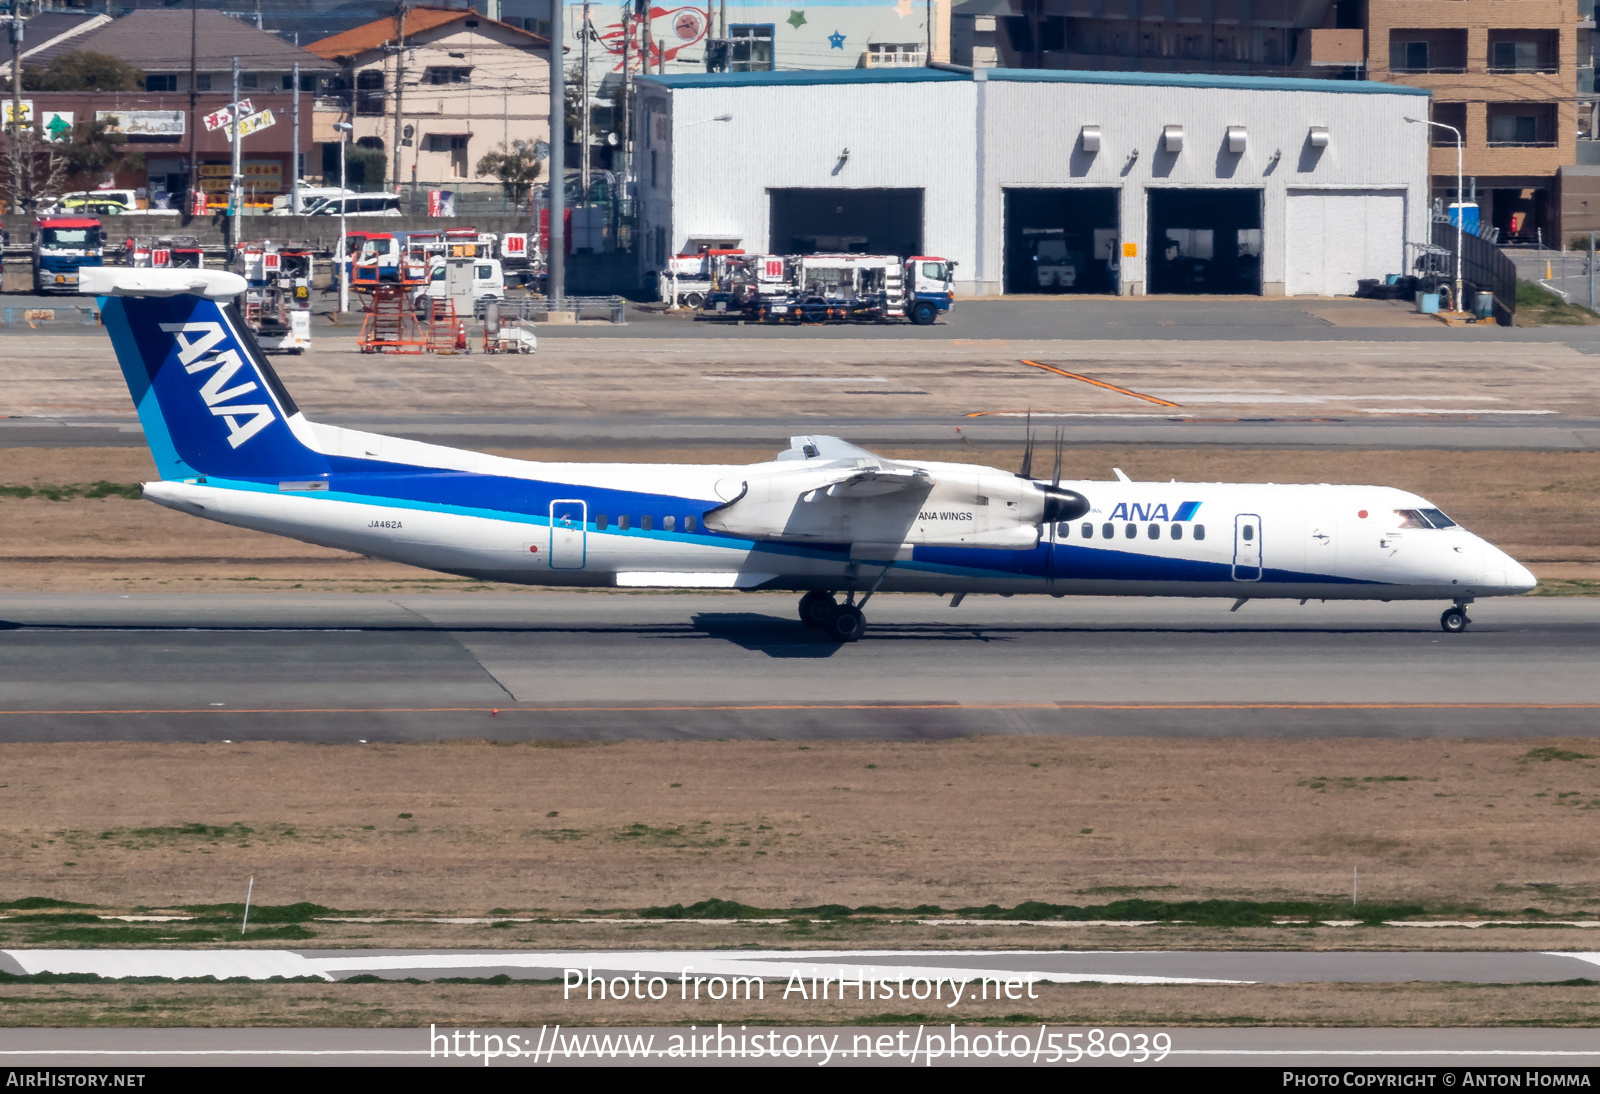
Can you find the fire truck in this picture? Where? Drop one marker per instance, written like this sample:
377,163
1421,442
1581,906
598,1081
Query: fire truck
164,252
277,300
62,245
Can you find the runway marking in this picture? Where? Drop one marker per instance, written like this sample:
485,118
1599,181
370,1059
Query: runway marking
758,707
1098,383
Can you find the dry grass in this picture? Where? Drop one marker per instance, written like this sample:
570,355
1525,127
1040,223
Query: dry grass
779,824
1540,506
525,1005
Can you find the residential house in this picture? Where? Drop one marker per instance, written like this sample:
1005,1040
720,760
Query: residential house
435,89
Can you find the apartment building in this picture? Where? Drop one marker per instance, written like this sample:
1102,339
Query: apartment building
1509,75
1504,74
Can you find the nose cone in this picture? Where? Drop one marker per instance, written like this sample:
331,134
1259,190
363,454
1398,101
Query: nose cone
1504,574
1518,577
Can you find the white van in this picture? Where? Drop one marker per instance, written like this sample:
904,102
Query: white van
283,204
478,280
362,205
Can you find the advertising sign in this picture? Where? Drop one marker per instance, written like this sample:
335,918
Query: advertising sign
254,123
56,125
219,118
143,125
27,110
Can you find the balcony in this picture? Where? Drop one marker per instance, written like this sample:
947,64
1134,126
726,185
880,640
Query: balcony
1427,51
1518,51
1522,125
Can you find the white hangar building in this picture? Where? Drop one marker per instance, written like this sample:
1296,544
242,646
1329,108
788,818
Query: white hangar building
1043,180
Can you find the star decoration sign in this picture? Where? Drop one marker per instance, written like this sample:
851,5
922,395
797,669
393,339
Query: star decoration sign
835,40
797,19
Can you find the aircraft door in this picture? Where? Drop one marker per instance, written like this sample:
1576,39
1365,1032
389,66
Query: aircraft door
568,541
1247,547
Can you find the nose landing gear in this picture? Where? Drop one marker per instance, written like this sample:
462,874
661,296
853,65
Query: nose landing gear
840,622
1454,620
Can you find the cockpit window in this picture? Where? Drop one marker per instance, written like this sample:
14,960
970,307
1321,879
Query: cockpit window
1423,518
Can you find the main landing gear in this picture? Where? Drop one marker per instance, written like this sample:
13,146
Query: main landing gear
840,622
1454,620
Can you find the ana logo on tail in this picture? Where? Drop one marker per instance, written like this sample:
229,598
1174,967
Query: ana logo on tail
196,353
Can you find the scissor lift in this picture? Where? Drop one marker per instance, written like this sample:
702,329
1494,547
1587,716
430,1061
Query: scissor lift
391,326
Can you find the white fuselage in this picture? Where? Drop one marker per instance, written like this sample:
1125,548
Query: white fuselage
646,525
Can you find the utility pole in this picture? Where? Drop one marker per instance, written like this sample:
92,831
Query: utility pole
236,183
399,84
294,184
722,19
15,27
556,260
644,17
627,84
194,160
583,145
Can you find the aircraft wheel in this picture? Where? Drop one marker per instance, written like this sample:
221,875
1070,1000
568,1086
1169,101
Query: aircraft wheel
846,623
815,608
1453,621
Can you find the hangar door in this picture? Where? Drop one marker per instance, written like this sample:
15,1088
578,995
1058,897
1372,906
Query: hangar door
1205,240
1062,241
1336,237
826,220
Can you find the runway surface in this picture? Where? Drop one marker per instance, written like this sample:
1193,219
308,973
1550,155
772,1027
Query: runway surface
961,971
1560,1051
646,665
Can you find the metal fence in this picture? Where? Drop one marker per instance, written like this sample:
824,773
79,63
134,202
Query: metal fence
1483,266
611,308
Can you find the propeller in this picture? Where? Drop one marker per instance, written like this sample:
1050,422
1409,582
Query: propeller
1027,452
1061,504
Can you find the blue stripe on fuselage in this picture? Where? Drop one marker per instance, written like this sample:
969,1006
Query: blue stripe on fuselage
527,501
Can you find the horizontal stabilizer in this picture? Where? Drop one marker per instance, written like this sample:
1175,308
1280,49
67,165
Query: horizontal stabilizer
127,281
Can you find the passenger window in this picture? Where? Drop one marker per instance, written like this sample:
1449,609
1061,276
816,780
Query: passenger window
1199,531
599,522
1131,531
1107,531
1064,530
1177,531
668,523
1087,530
1154,531
646,523
622,523
688,524
1249,533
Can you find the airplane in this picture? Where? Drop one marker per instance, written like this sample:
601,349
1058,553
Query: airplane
823,518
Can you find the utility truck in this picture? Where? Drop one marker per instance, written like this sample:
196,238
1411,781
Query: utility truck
63,245
828,288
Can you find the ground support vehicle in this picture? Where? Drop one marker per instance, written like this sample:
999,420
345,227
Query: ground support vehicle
277,303
690,280
393,323
519,258
927,288
470,283
164,252
506,335
829,288
62,245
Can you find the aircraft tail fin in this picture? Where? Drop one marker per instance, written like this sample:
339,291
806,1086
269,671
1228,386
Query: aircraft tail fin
208,400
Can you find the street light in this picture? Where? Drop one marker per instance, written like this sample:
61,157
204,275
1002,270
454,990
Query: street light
344,262
1461,210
